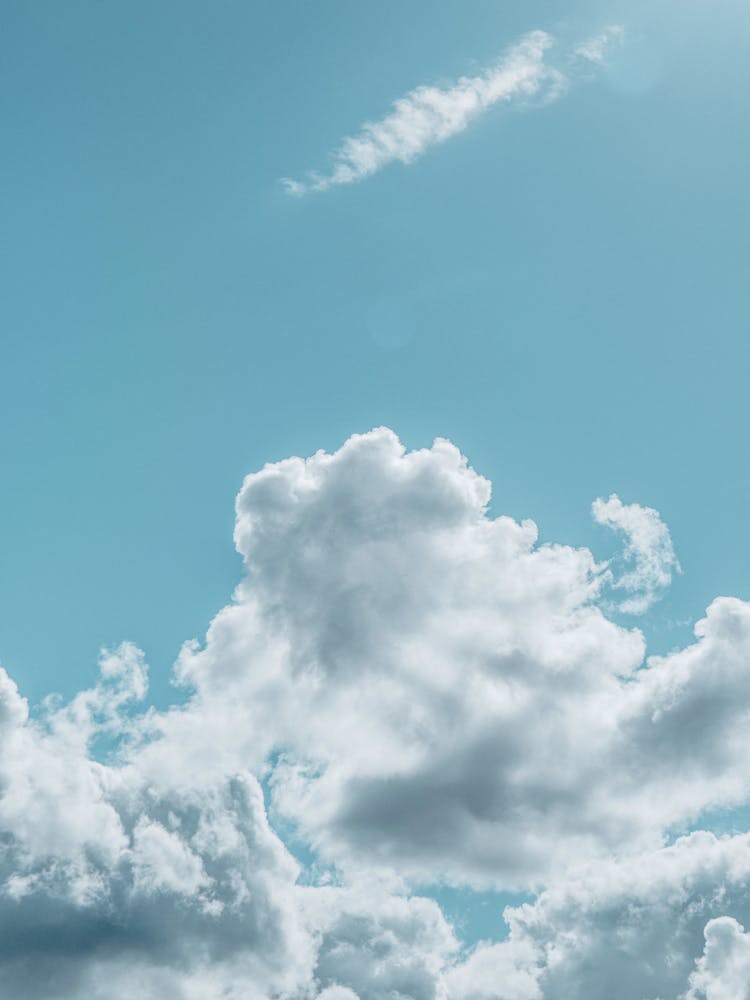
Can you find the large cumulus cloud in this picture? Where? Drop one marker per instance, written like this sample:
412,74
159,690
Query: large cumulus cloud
415,691
444,697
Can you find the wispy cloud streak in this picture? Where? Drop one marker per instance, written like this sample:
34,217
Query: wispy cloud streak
430,115
595,49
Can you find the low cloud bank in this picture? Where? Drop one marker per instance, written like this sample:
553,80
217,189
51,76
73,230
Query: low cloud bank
414,692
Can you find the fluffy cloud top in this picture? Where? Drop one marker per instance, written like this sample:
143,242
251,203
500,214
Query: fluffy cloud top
723,971
415,691
445,692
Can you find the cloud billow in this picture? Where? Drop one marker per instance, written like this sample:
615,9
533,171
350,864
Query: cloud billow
417,692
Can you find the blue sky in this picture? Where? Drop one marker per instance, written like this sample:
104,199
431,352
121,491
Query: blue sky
574,276
560,289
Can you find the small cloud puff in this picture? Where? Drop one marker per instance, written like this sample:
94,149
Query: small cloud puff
649,554
594,49
723,971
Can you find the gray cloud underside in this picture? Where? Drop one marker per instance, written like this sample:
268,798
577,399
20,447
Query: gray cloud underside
426,694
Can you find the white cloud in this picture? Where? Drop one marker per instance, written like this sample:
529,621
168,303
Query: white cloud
626,928
428,694
508,971
162,861
649,553
114,881
595,48
377,945
723,971
429,115
447,697
133,879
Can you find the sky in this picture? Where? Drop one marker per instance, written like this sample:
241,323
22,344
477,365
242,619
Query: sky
382,699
